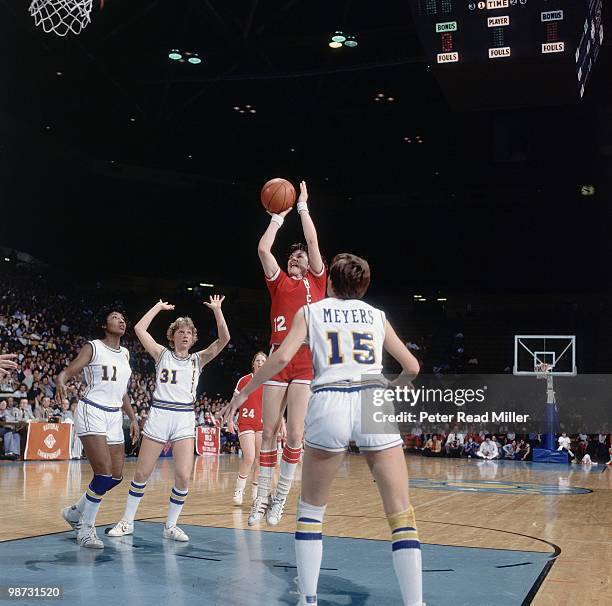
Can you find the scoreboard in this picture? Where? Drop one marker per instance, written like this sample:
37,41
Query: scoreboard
550,38
456,31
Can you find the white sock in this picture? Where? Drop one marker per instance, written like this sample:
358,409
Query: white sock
240,482
291,457
407,556
175,506
309,547
267,463
80,504
135,495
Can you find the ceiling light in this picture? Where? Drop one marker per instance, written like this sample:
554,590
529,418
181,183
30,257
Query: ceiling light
338,37
207,285
6,259
350,41
442,299
195,60
189,288
391,99
333,44
175,54
381,95
248,109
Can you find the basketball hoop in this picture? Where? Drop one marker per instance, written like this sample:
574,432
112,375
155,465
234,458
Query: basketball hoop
543,370
62,16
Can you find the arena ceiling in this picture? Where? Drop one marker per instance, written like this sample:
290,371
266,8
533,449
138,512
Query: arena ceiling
108,141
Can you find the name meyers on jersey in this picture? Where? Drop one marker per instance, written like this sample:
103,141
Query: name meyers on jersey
348,316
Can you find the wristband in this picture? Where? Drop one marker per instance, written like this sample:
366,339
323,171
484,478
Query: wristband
277,219
302,206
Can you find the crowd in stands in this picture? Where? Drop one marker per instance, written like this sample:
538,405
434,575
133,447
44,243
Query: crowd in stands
46,329
509,446
46,322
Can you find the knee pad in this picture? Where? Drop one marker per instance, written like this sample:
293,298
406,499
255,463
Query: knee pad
115,482
102,484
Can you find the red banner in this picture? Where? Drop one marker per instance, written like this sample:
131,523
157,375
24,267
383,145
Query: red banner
208,440
48,442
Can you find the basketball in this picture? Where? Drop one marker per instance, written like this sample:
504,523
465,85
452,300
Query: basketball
277,195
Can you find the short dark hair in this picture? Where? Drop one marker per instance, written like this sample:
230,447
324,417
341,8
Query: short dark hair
102,316
295,247
350,276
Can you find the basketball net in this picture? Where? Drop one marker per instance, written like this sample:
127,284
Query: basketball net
543,370
62,16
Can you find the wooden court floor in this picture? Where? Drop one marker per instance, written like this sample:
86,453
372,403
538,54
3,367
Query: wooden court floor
520,506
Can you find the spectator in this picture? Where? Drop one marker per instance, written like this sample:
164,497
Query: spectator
509,450
25,411
488,449
522,451
8,422
470,448
564,444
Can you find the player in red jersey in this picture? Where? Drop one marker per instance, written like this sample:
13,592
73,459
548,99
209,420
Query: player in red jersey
303,283
250,427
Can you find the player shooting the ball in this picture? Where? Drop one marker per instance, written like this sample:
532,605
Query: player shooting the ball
304,282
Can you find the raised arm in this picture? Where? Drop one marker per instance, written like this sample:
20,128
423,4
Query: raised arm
152,347
394,345
223,335
274,364
315,260
264,248
72,370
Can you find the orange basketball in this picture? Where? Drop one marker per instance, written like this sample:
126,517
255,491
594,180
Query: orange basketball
277,195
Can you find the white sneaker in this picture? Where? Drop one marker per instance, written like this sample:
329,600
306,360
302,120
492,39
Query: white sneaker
72,515
120,529
258,510
275,513
87,537
238,496
174,533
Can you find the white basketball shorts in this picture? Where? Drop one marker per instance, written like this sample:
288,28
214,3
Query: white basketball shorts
94,420
334,419
169,425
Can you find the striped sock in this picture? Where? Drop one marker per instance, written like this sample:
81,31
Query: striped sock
92,504
291,457
407,556
240,482
309,548
177,500
135,494
267,463
254,490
